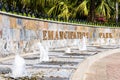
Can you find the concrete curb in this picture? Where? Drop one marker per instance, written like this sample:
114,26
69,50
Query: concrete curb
80,73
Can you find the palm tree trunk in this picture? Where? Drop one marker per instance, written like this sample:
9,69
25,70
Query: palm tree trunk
116,12
91,14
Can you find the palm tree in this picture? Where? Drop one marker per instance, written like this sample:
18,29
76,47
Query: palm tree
104,9
91,15
66,9
82,8
114,4
61,10
117,8
86,8
90,8
25,3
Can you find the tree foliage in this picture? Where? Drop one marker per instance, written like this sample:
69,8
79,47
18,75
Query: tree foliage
66,9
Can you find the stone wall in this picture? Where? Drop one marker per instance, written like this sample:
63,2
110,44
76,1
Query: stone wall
18,28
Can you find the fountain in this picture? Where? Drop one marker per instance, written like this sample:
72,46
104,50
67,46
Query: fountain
102,41
38,47
108,41
7,47
68,50
10,46
19,66
83,46
74,43
18,69
113,41
3,47
43,52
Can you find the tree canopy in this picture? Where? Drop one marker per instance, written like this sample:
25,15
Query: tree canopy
90,10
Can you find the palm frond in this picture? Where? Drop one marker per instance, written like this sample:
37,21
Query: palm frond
104,9
82,8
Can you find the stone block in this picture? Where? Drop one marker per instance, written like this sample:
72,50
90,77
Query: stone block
13,24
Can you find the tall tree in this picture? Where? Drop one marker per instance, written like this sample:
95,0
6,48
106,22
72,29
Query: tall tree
66,9
117,8
91,15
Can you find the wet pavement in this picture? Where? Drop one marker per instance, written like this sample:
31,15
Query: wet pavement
61,64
